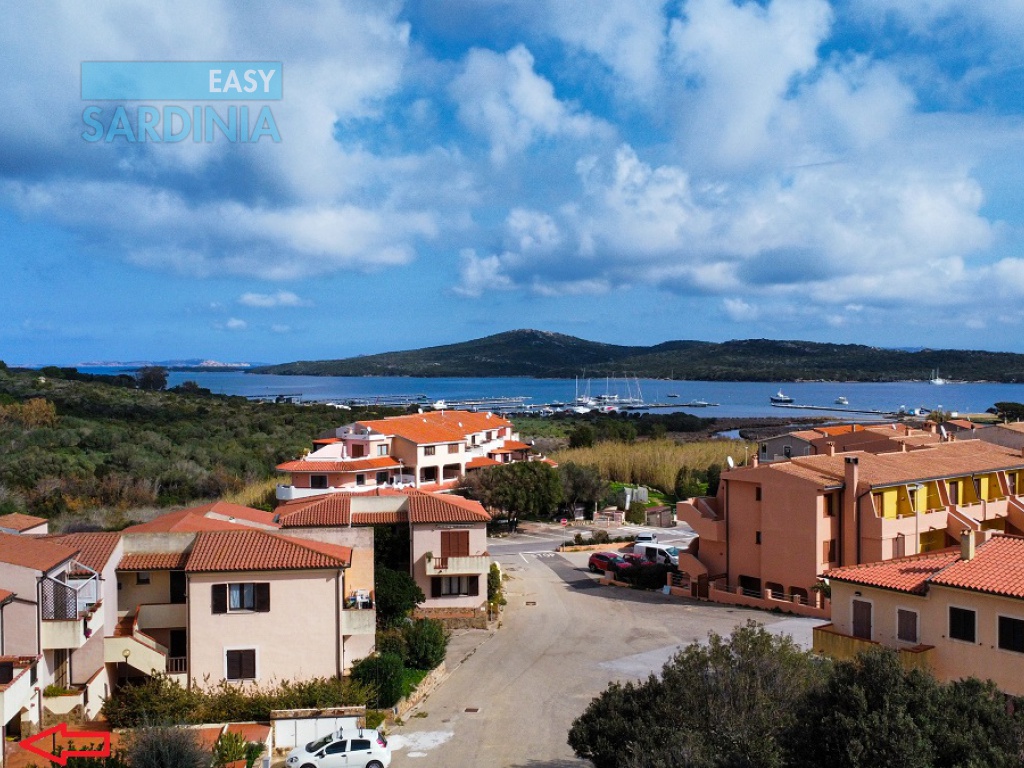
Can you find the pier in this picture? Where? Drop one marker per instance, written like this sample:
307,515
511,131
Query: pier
836,409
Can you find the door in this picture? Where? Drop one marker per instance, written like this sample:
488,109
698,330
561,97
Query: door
177,646
335,756
178,587
862,619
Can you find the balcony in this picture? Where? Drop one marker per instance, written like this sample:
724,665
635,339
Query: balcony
358,621
163,616
458,566
831,642
17,685
702,517
71,632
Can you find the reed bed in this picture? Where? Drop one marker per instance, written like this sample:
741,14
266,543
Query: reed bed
259,494
654,463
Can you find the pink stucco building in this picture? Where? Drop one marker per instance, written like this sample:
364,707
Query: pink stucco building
773,528
957,612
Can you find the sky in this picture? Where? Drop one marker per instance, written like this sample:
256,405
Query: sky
627,172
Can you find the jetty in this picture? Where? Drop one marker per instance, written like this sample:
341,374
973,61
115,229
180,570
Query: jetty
837,409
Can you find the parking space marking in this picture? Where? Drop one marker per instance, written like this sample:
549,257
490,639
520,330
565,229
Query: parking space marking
537,554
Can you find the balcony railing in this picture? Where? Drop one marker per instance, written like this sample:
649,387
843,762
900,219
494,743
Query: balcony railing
831,642
450,566
177,665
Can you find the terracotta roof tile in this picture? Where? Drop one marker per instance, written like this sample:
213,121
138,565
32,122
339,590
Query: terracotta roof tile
906,574
319,511
94,548
479,462
429,508
5,595
437,426
997,567
346,465
153,561
255,550
218,516
32,552
16,521
410,505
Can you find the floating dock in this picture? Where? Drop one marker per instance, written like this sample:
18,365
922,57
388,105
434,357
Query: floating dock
835,409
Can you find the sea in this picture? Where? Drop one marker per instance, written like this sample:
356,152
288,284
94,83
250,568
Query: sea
865,400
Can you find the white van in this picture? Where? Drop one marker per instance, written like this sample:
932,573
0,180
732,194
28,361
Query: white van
665,554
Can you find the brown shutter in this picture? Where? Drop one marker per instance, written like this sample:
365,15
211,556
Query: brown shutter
262,596
460,543
234,664
435,586
219,598
248,659
446,544
474,583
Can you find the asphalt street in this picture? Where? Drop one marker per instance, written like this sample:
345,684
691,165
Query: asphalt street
514,693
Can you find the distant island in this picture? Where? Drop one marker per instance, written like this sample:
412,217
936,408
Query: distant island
542,354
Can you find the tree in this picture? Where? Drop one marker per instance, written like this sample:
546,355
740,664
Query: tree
397,596
582,436
1010,411
715,705
526,488
426,642
151,377
384,674
582,485
690,482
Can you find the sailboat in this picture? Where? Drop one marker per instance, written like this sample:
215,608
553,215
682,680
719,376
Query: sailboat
936,379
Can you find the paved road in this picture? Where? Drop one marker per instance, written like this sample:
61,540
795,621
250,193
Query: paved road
564,638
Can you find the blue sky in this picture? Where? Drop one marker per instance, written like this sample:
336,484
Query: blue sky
628,172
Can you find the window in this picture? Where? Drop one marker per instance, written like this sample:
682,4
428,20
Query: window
382,478
757,493
1011,634
358,744
382,449
757,537
361,479
445,586
453,447
318,481
954,492
906,625
764,450
142,578
828,551
429,450
358,450
454,543
246,596
240,665
961,624
862,619
830,505
787,451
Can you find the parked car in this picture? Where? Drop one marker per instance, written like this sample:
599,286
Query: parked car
633,560
658,553
360,747
646,538
605,561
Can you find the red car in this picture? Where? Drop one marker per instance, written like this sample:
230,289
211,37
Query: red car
632,560
605,561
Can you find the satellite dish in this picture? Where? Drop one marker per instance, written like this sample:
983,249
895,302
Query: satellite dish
730,462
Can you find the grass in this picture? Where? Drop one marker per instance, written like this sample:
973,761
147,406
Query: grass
411,680
653,463
534,426
259,494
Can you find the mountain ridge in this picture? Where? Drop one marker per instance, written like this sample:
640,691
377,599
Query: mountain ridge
546,354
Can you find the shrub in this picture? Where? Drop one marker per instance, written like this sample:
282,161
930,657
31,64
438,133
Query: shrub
166,747
427,642
229,747
393,641
383,674
397,596
652,576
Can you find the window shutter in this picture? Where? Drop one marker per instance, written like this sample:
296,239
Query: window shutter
248,664
219,598
446,544
474,584
435,586
234,665
460,543
263,596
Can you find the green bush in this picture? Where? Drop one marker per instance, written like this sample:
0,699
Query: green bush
427,643
166,747
393,641
652,576
383,675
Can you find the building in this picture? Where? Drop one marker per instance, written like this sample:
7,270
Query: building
958,613
774,527
448,555
16,522
1009,435
429,450
871,438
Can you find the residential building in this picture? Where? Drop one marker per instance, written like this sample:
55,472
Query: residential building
448,555
774,527
958,613
1009,435
16,522
871,438
430,450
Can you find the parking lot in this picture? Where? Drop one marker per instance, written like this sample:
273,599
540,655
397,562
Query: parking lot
563,639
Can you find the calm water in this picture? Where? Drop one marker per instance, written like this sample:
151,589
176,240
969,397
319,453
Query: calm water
735,398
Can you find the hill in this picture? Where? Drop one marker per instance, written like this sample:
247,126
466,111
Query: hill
542,354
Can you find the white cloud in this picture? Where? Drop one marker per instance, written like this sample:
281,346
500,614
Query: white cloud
235,324
480,274
279,299
502,98
740,311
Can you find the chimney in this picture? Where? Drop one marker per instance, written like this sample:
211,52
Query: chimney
903,447
933,427
830,448
966,545
852,473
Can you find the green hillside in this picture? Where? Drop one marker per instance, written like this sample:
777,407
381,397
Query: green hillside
542,354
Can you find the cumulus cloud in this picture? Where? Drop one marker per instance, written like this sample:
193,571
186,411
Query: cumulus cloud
739,311
235,324
502,98
266,300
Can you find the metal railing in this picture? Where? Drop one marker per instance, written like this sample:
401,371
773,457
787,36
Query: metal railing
177,664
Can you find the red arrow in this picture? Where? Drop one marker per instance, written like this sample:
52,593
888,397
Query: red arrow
62,731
